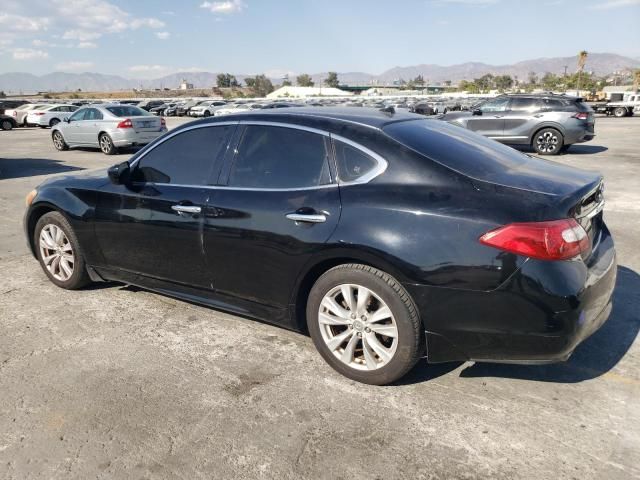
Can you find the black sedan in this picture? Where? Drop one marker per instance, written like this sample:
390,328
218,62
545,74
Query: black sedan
387,236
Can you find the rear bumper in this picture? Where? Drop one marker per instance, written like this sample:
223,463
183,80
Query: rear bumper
539,315
125,138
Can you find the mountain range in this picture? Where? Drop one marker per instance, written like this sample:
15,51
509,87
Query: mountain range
598,63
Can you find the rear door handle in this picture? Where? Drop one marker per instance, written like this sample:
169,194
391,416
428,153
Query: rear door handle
498,116
186,209
539,115
307,217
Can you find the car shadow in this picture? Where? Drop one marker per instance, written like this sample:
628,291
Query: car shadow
596,356
31,167
576,149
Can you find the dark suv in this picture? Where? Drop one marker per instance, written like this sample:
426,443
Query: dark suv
549,123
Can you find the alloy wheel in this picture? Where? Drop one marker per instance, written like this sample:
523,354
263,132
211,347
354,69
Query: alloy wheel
58,141
56,252
358,327
7,125
105,143
547,142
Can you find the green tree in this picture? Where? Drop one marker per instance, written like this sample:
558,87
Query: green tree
503,82
533,78
419,81
466,86
226,80
2,94
304,80
550,81
332,80
286,82
260,84
485,82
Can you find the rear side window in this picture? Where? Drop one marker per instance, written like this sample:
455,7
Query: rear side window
280,157
186,158
352,162
457,148
93,114
523,105
128,111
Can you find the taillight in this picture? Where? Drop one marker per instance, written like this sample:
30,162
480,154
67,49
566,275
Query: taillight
163,122
39,113
554,240
14,113
125,124
581,116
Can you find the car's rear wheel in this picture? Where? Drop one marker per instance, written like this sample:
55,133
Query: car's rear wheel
6,125
548,141
206,113
106,144
54,122
364,324
58,141
620,112
59,252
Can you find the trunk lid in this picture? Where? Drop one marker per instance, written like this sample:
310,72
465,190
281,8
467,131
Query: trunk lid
146,123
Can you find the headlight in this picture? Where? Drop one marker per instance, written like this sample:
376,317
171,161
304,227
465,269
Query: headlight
30,196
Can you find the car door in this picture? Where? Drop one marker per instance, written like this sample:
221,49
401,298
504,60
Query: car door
153,225
521,118
488,119
88,128
277,205
72,129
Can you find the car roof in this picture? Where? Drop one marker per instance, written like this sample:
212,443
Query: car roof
370,117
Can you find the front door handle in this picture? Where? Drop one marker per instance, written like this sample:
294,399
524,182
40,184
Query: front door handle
539,115
498,116
186,209
307,217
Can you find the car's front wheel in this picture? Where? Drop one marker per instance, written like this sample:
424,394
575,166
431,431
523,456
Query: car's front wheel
106,144
6,125
59,252
58,141
548,141
364,324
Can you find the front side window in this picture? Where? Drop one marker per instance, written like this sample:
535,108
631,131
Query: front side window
78,115
352,162
280,157
496,105
186,158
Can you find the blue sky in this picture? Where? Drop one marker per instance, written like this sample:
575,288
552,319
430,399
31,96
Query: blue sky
151,38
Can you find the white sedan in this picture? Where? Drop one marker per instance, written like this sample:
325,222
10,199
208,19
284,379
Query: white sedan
49,115
20,113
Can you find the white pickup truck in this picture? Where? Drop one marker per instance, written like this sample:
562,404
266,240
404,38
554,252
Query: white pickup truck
622,108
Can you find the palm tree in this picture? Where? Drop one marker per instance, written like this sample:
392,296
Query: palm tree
582,60
636,80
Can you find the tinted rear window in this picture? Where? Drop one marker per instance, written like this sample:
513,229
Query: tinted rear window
456,147
128,111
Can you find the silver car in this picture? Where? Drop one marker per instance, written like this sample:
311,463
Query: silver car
548,123
108,127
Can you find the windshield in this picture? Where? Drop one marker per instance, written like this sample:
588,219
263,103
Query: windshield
128,111
457,148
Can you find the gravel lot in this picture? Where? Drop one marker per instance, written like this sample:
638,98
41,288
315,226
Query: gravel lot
116,382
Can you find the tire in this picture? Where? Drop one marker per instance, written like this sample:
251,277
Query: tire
24,122
67,268
206,113
620,112
106,144
547,141
54,122
364,354
6,125
58,141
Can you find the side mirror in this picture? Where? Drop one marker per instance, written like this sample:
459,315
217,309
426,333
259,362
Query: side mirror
66,119
119,174
477,111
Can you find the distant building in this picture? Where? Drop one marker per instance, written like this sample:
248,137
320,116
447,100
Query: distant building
184,85
303,92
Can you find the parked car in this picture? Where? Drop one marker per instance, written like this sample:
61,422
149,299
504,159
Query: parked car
7,122
20,113
49,115
172,109
149,104
161,109
549,123
423,108
294,217
183,109
108,127
10,104
206,108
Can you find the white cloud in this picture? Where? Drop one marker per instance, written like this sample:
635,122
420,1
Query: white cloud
226,7
19,23
74,66
28,54
87,45
39,43
608,4
81,35
148,68
163,35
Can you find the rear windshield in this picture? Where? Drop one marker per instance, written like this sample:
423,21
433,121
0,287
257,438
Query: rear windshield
128,111
457,148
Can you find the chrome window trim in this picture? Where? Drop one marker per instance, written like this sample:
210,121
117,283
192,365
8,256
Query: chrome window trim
379,170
